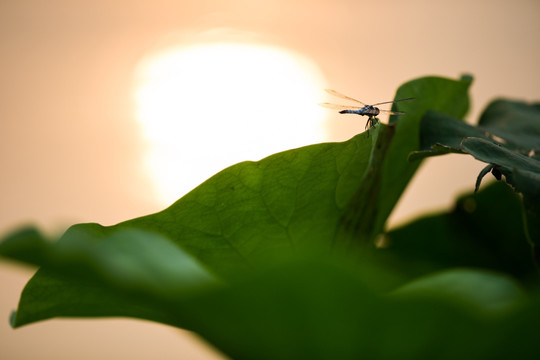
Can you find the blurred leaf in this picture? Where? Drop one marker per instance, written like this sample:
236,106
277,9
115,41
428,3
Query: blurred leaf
26,245
104,269
324,311
485,292
53,294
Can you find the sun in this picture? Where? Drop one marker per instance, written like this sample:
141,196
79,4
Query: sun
205,107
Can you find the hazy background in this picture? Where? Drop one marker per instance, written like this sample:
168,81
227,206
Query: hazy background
73,149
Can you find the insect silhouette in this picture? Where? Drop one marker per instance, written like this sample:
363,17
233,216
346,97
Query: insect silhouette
371,111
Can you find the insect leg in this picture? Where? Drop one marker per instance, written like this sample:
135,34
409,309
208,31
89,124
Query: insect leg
369,123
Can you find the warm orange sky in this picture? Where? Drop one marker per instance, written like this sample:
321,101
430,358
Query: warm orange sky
72,149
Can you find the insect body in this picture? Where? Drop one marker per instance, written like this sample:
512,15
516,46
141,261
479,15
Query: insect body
371,111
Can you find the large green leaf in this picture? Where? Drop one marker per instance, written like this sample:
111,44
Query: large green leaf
294,202
317,310
486,293
238,260
431,94
127,272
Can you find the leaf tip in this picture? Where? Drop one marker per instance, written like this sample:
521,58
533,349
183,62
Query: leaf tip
12,319
467,78
481,175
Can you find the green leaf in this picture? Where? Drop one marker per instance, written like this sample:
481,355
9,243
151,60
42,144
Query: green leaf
430,93
320,310
289,202
507,138
511,124
358,224
485,292
484,230
26,245
294,202
516,122
442,134
104,269
521,171
60,294
249,259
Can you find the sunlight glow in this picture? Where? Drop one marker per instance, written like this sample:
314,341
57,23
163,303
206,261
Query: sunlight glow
203,108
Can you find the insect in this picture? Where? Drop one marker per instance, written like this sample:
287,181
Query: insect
366,110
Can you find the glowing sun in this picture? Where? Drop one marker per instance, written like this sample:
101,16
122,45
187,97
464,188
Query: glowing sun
205,107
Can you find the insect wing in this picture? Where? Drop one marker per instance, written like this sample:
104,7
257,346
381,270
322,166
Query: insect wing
335,93
389,112
340,107
393,101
